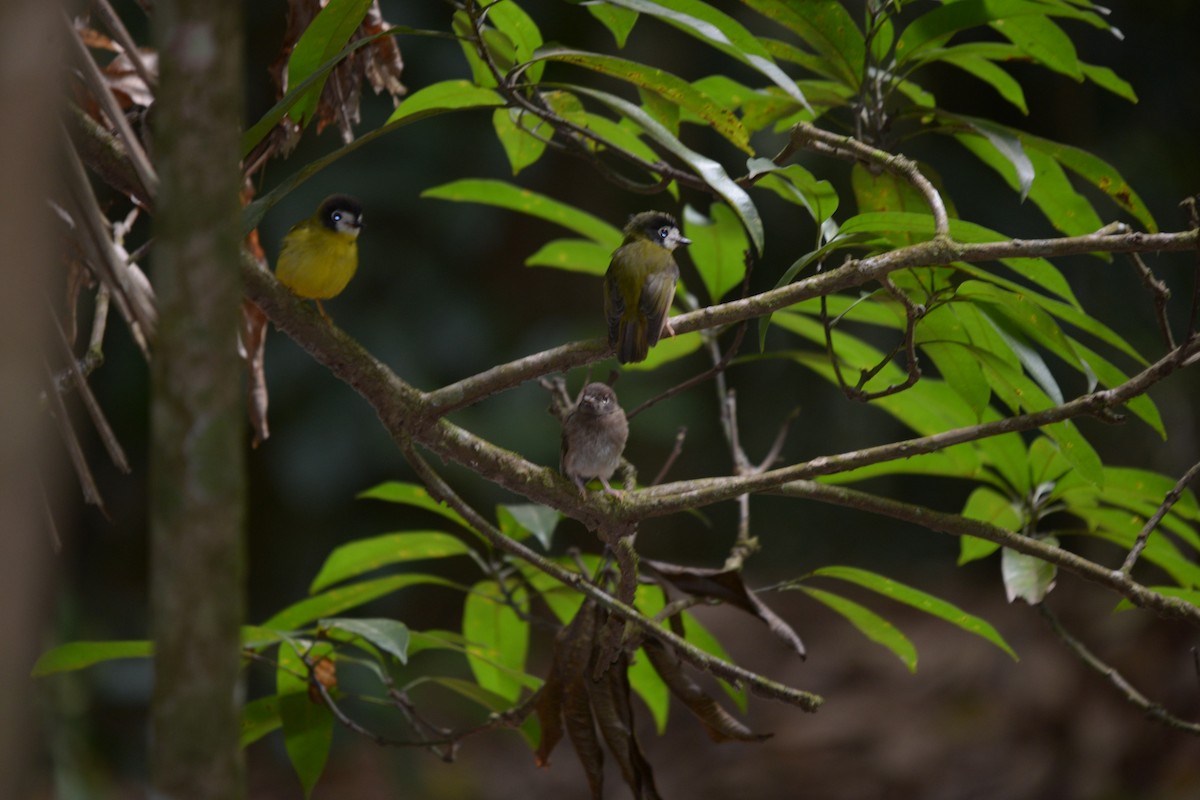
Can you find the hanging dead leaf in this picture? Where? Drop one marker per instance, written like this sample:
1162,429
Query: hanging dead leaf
727,587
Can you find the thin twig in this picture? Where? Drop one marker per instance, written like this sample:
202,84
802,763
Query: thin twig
814,138
1162,295
117,28
676,450
1152,710
1165,506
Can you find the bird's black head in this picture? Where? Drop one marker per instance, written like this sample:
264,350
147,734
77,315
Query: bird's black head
342,213
656,226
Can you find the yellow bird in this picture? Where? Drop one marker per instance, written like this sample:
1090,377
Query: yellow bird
320,254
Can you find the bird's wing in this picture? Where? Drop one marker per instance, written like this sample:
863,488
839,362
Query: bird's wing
655,302
614,304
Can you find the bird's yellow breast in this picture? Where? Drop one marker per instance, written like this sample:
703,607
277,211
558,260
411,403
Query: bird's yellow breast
316,262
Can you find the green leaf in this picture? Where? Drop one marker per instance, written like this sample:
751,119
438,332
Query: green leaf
1007,456
412,494
1027,577
522,136
364,555
827,27
986,505
619,21
328,33
710,171
919,600
797,185
259,717
936,27
723,32
1064,208
1042,38
79,655
718,248
438,98
524,519
389,635
1009,148
498,638
338,600
667,350
869,624
307,725
514,198
942,337
667,86
1107,79
574,255
983,69
521,30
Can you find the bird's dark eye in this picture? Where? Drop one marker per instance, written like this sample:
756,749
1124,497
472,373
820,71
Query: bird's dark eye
337,216
663,232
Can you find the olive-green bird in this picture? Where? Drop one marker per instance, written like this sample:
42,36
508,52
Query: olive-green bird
320,254
640,285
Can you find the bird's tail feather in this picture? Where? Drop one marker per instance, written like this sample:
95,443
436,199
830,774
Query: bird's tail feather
632,345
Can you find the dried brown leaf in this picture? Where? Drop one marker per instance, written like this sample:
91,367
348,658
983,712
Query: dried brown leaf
727,587
717,722
611,704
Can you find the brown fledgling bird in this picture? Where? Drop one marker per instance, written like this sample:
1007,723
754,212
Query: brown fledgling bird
593,438
640,285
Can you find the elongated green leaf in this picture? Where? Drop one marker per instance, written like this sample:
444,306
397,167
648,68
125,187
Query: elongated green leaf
412,494
521,30
1022,394
522,136
259,717
498,637
664,84
80,655
935,27
389,635
1107,79
667,350
986,71
919,600
718,248
506,195
575,255
1009,147
307,725
943,338
797,185
335,601
520,520
364,555
986,505
439,98
328,33
1064,208
868,623
710,171
1042,38
827,27
722,31
1028,318
270,119
618,20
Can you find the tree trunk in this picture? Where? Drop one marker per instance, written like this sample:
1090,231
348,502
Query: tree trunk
197,431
